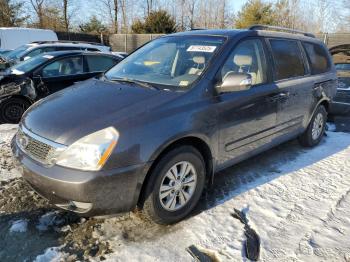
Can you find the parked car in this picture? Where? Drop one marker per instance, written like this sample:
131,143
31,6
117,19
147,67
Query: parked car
120,54
156,127
341,102
4,51
31,80
13,37
28,51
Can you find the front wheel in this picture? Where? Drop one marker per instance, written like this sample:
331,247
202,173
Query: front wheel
175,185
12,109
315,131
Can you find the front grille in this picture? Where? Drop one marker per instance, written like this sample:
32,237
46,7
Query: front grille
43,152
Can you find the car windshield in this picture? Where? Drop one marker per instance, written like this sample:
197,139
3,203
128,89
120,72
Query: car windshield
173,62
16,53
342,67
30,64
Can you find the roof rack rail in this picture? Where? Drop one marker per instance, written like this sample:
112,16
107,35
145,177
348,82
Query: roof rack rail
66,42
281,29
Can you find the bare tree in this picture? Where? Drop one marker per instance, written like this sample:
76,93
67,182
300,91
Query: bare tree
110,7
65,15
38,6
123,8
149,6
191,8
115,16
69,10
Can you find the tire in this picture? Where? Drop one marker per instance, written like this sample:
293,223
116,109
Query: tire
316,128
158,209
12,109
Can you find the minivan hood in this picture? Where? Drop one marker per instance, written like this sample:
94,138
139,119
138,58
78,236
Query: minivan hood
90,106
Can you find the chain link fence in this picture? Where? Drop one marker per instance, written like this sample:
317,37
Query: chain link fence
129,42
334,39
72,36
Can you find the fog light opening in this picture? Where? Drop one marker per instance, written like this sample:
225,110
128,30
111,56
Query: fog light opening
75,206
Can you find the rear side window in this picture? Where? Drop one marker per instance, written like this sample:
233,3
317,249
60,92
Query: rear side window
39,51
288,59
99,63
93,50
318,58
65,48
90,49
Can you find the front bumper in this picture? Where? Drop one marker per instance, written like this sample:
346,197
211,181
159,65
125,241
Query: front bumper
90,193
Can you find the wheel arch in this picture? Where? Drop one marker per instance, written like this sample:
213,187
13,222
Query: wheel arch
323,102
198,143
26,101
23,97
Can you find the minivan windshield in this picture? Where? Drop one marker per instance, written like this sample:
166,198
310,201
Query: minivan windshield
16,53
173,62
29,64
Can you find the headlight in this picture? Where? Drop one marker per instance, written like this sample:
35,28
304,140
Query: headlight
10,89
90,152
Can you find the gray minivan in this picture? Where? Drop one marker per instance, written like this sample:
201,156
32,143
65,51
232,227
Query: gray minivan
154,129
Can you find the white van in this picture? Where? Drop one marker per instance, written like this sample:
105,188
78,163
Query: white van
13,37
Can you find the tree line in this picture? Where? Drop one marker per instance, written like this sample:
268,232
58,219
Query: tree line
167,16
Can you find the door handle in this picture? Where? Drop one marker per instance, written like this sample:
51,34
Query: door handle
280,96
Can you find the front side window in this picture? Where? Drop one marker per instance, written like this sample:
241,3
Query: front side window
248,57
64,67
287,58
173,62
318,58
99,63
30,64
39,51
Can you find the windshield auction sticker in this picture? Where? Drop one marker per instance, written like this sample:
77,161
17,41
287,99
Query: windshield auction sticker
201,48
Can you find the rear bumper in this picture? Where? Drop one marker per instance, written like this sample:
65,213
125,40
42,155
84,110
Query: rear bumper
89,193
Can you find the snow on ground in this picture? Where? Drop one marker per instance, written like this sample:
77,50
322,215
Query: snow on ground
7,170
51,254
19,226
301,211
297,200
49,219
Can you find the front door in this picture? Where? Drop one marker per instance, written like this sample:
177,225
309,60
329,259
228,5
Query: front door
247,118
61,74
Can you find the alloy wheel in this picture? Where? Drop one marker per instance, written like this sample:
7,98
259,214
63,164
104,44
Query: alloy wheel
317,126
178,186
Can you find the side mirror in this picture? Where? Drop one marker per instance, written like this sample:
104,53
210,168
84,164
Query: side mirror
234,82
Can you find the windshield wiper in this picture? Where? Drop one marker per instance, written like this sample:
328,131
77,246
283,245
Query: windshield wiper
133,81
